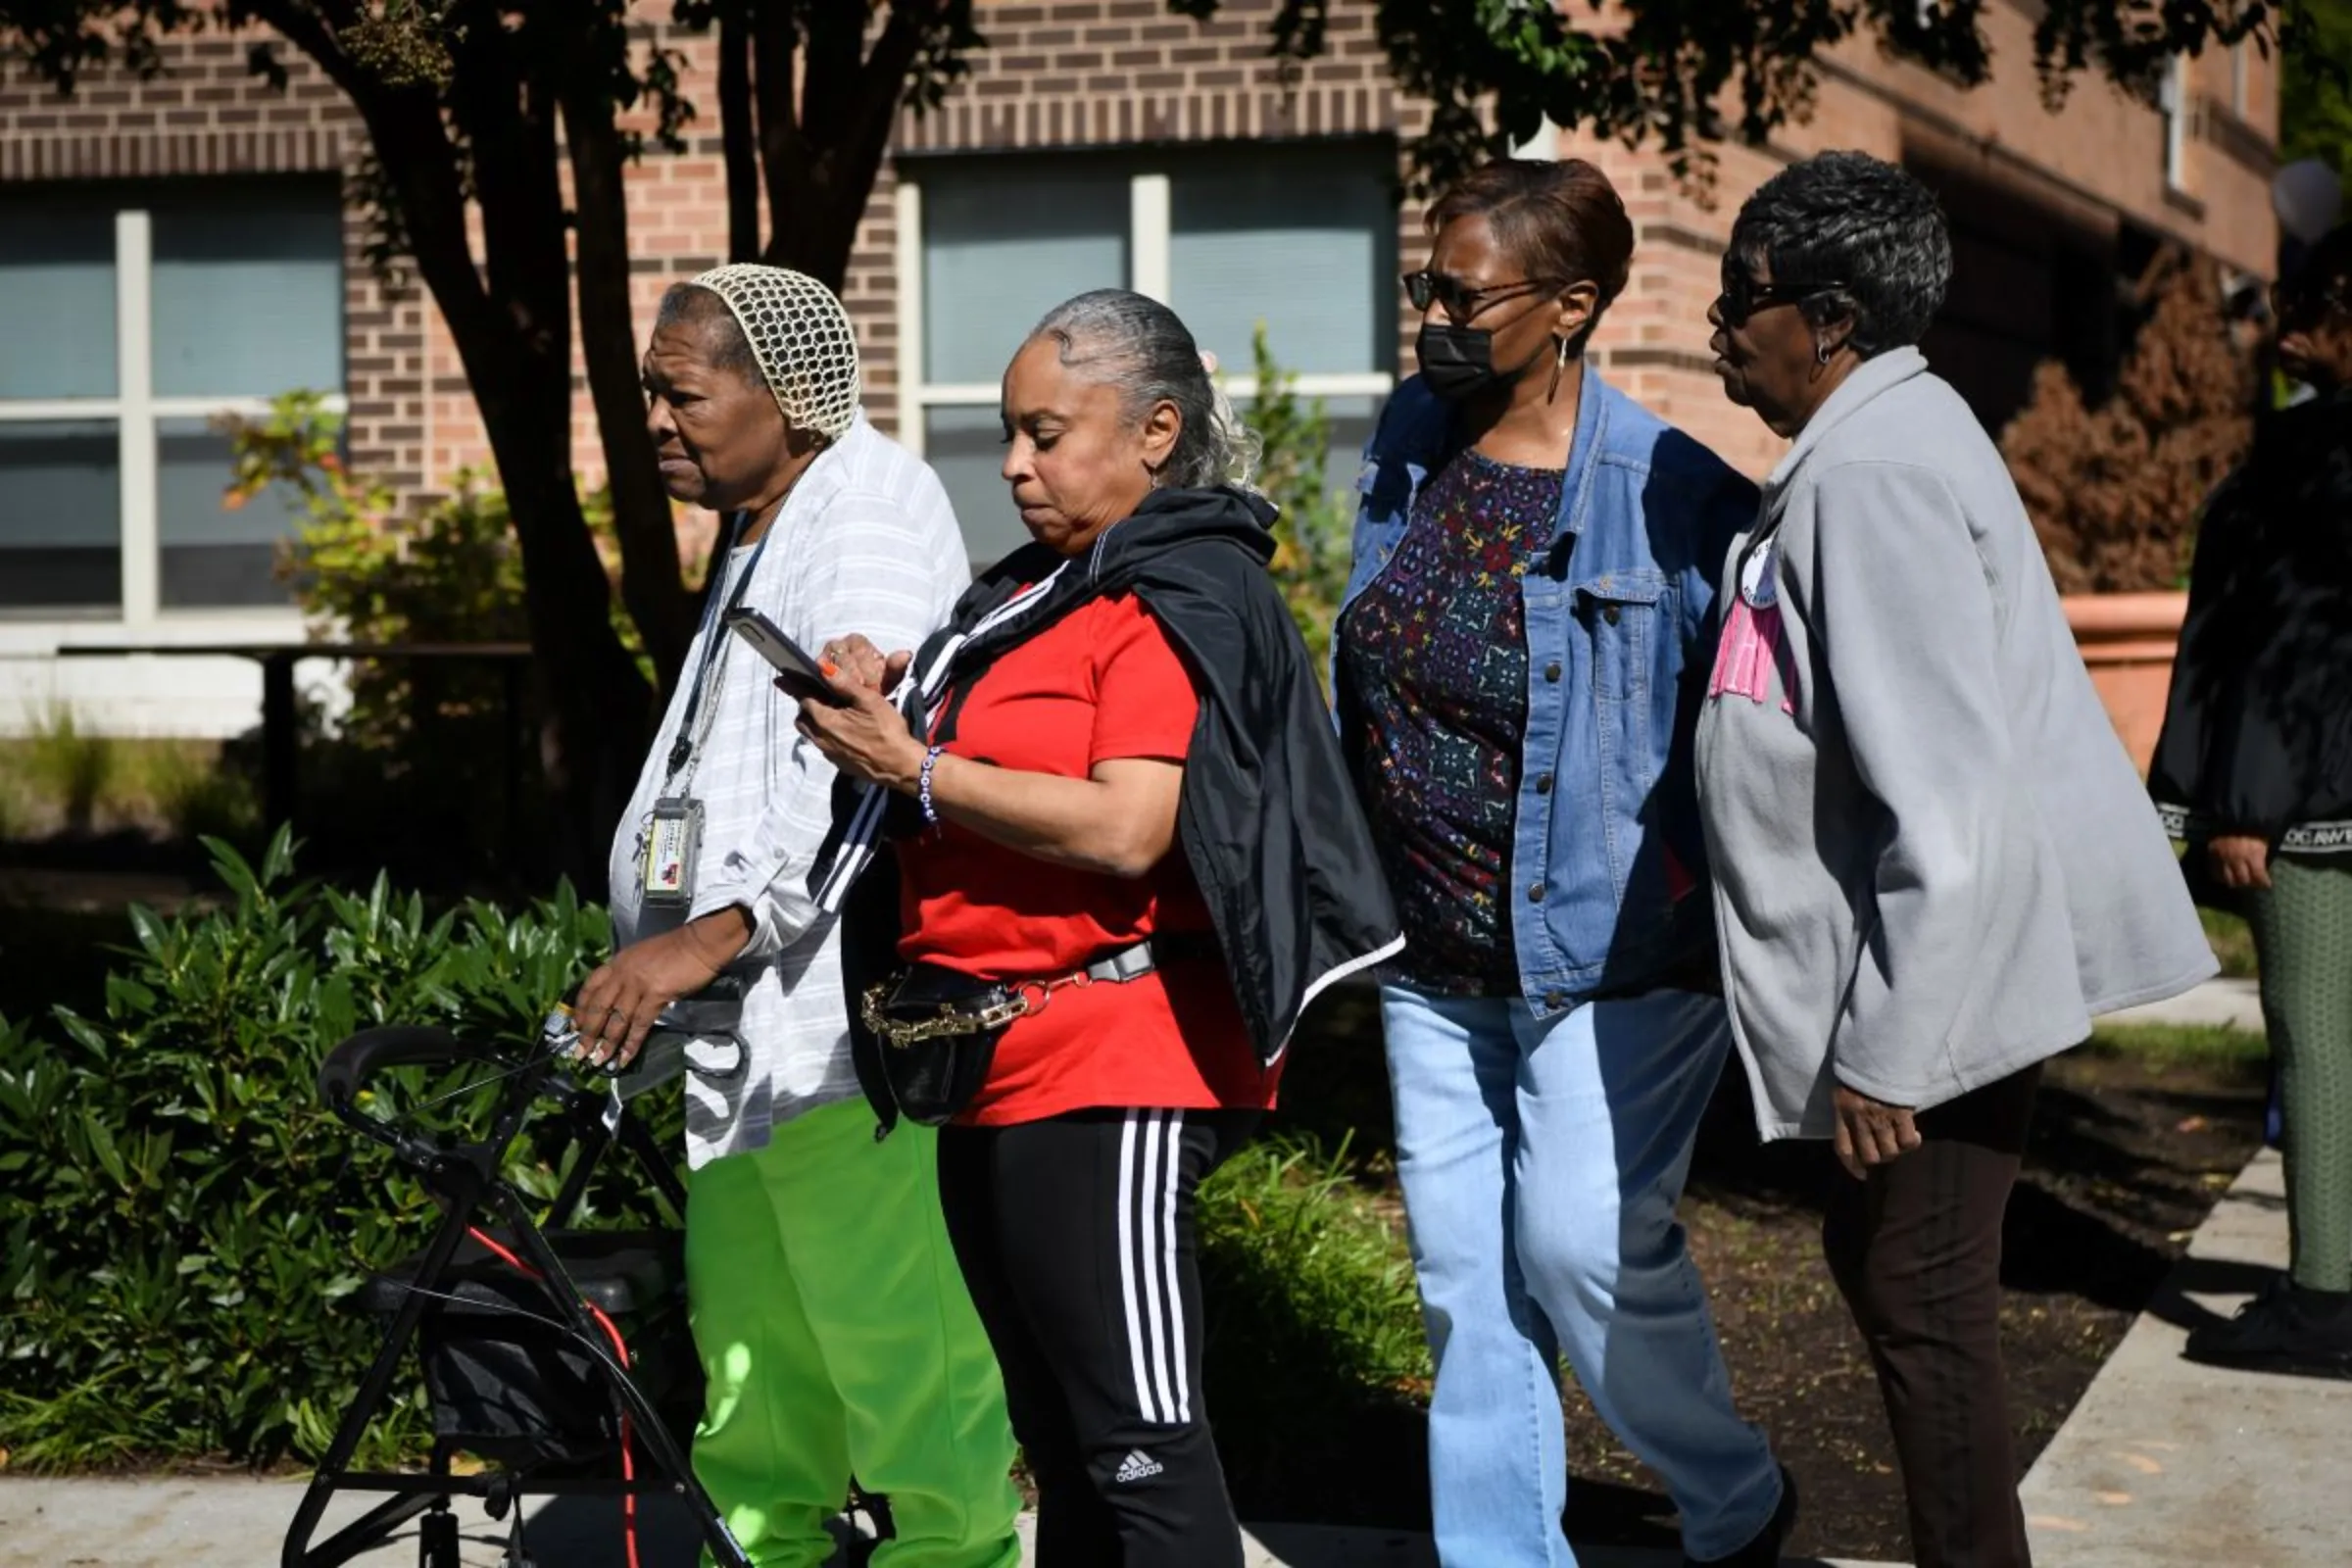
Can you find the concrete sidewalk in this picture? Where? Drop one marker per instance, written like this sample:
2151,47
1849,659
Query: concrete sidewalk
2168,1462
231,1523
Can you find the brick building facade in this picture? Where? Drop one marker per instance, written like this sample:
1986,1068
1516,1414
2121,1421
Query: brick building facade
172,248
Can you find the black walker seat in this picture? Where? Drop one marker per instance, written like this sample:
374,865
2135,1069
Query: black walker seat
518,1370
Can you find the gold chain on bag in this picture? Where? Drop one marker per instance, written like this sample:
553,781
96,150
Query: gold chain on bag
903,1033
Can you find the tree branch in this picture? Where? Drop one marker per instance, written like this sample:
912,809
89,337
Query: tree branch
650,582
738,137
783,159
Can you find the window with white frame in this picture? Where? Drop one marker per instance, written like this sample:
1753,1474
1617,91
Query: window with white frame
1299,236
2172,99
134,316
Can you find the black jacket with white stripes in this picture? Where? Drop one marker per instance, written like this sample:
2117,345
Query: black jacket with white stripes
1269,818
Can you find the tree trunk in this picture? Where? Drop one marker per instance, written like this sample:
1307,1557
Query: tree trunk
821,148
510,321
650,583
737,136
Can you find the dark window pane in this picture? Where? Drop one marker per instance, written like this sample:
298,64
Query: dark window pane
57,296
60,504
965,447
215,553
1302,238
1005,241
248,289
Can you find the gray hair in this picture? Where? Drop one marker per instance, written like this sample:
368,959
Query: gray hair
691,306
1138,345
1849,219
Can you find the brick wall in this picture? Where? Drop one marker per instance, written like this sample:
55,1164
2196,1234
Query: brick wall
207,117
1092,72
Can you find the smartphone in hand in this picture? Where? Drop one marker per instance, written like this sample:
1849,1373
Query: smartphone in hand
796,671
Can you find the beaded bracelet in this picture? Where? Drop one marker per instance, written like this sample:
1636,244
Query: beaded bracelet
930,761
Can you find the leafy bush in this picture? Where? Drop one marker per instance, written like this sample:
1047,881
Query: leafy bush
420,761
1311,534
2115,491
185,1214
2315,108
183,1211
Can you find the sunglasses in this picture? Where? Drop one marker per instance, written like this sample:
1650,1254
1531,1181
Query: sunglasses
1461,301
1740,301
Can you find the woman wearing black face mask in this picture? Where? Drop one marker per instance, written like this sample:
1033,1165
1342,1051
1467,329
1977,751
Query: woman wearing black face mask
1534,574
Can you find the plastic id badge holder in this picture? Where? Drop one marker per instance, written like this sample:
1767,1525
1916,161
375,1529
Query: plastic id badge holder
670,843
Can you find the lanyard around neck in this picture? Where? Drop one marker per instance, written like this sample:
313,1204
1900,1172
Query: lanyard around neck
688,741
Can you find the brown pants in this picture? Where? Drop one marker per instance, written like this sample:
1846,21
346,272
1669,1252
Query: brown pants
1916,1248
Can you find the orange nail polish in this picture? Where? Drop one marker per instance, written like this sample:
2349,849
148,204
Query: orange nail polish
830,668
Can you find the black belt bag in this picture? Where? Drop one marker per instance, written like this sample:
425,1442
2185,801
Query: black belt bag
938,1030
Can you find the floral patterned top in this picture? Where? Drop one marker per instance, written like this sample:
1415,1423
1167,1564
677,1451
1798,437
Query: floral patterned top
1433,661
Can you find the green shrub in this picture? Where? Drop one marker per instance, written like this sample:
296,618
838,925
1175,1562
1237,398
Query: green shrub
1312,533
1316,1351
183,1213
416,771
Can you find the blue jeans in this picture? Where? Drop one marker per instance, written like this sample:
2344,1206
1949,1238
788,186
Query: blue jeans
1542,1162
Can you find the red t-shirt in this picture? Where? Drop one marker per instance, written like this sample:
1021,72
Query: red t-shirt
1102,684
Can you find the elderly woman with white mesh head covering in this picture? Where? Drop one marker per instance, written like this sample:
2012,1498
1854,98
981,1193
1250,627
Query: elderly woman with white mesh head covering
1128,857
824,1293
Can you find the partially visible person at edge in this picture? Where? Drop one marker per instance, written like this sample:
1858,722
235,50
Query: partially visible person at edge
1126,773
1932,860
821,1284
1534,569
2256,755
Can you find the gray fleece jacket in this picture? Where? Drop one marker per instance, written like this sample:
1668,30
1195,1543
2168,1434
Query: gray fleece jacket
1934,861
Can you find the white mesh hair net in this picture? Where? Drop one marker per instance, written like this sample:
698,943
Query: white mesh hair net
800,338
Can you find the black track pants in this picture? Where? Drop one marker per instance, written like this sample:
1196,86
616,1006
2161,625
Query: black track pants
1075,1234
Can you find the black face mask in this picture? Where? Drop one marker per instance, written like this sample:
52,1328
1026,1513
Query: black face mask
1458,361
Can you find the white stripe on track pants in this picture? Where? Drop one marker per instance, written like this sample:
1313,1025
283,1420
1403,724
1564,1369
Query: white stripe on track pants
1075,1236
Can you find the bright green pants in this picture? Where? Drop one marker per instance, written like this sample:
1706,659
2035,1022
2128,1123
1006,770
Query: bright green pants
839,1341
2303,938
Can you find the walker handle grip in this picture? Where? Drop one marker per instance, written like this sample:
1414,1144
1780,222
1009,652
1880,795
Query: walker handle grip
350,1065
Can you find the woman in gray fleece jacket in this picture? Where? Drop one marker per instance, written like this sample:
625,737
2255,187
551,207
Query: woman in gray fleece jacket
1933,862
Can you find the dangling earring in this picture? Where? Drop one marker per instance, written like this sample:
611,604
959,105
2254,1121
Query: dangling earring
1557,365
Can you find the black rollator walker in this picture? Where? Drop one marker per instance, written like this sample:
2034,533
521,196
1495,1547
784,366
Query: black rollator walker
519,1324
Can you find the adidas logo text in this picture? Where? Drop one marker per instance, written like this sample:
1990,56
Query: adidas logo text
1139,1466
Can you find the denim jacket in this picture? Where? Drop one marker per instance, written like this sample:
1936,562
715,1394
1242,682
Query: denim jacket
1620,616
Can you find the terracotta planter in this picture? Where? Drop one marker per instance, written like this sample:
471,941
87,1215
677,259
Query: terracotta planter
2127,641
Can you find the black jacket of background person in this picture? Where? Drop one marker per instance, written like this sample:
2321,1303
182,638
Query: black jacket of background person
2258,731
1269,818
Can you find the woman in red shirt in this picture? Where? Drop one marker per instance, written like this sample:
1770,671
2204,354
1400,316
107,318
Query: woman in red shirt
1121,717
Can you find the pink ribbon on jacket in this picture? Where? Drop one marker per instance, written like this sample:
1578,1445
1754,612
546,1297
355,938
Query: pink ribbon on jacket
1752,644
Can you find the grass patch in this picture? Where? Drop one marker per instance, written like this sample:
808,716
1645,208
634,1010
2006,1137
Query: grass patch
2230,1050
2232,943
61,780
68,767
1315,1350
